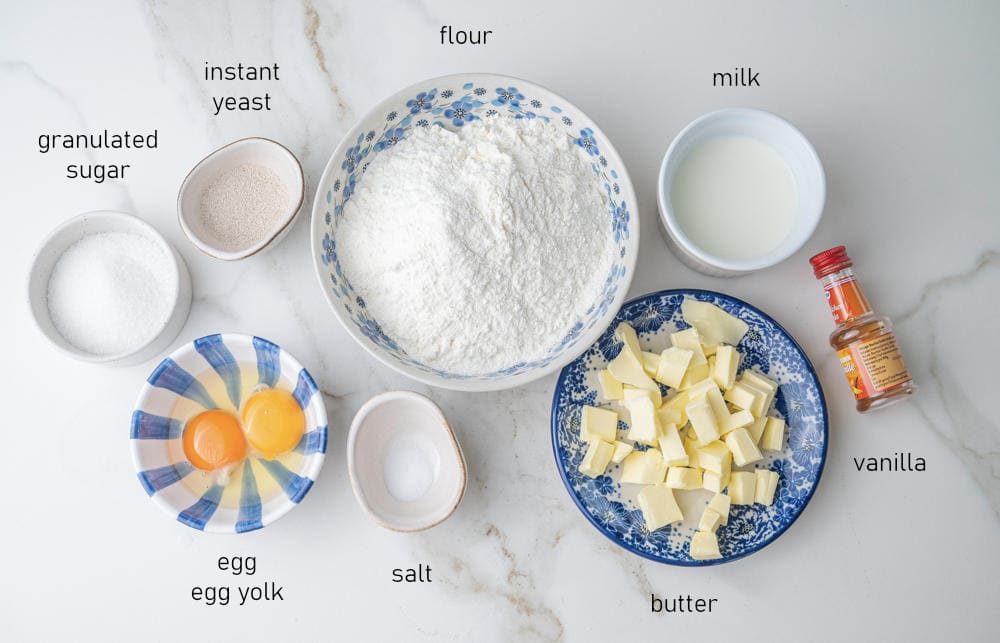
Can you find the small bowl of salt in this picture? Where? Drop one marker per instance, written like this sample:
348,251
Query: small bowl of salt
241,198
405,464
106,287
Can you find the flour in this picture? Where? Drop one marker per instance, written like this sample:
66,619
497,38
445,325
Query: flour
477,249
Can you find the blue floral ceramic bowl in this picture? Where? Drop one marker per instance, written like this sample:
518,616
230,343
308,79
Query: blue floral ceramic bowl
452,102
611,507
221,371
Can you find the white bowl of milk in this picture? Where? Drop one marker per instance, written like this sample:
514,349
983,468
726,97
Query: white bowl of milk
740,190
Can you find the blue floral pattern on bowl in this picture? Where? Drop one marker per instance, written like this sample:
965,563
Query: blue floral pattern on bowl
611,507
452,102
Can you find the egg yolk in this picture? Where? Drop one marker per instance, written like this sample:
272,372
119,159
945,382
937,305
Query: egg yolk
274,422
213,440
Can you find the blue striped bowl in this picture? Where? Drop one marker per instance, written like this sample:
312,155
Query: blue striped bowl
211,372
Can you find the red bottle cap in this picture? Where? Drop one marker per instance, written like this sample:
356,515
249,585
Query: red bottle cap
830,261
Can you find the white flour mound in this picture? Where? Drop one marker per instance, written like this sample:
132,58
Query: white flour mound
477,249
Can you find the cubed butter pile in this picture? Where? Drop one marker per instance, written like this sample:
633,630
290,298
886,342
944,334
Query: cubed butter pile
711,422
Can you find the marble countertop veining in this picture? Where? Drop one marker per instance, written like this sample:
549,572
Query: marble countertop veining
900,100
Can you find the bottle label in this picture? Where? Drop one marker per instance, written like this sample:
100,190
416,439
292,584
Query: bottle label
845,299
874,365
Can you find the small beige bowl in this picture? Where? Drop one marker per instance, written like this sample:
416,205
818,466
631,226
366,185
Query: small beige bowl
254,151
405,464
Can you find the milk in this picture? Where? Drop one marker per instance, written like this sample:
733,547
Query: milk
734,197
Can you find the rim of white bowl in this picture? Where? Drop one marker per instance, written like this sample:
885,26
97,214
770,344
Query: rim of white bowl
236,255
312,472
361,416
788,246
130,224
473,384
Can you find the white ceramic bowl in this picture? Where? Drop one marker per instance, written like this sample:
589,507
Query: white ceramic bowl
428,104
788,142
406,466
60,239
255,151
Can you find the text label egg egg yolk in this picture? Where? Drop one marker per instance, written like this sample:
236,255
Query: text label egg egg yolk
213,440
273,421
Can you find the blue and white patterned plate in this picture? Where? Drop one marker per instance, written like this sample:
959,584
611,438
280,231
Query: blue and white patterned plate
611,507
218,371
452,102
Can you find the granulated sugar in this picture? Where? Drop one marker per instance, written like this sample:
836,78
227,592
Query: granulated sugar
477,249
243,206
111,293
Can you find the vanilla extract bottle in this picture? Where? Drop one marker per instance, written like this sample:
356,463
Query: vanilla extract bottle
864,340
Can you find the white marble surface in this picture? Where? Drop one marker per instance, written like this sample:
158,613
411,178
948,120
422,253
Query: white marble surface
900,99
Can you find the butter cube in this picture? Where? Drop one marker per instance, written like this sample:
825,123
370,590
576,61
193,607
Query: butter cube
611,388
727,361
622,449
627,336
672,447
677,400
715,326
644,467
762,404
742,487
761,383
756,430
598,424
668,416
719,408
701,389
709,349
702,420
691,448
659,508
650,363
630,393
738,420
720,504
688,338
683,478
627,369
645,428
673,365
695,373
715,457
743,447
746,396
710,520
705,546
595,461
773,438
715,482
766,482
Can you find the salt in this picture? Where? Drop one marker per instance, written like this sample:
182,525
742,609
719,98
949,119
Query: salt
408,469
243,206
110,293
